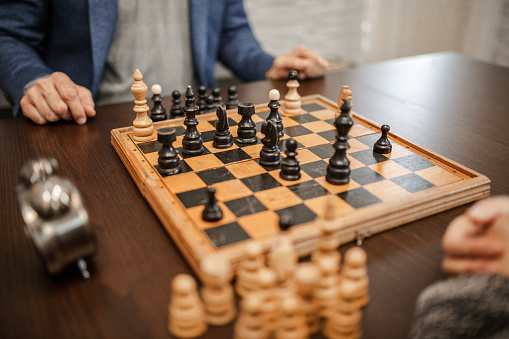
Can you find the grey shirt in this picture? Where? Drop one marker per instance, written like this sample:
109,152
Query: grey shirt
153,36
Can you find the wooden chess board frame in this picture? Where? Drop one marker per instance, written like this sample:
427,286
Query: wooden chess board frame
370,220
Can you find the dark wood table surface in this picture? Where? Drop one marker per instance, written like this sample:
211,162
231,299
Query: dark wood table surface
448,103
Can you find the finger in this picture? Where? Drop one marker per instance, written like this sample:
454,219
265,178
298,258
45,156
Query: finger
315,70
456,266
86,100
305,52
463,239
69,94
31,112
291,62
487,210
36,98
50,98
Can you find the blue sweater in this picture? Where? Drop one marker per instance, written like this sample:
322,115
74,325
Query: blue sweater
39,37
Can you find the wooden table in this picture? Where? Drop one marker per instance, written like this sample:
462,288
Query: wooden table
445,102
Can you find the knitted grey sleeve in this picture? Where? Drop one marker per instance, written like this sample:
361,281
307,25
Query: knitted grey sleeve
469,306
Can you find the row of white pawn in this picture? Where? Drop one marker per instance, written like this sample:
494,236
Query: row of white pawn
280,297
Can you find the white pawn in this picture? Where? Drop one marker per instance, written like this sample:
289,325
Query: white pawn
186,314
292,322
283,258
328,243
355,271
306,277
292,98
326,292
343,325
250,323
267,293
217,292
247,272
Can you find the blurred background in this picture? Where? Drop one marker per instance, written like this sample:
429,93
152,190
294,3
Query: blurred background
352,33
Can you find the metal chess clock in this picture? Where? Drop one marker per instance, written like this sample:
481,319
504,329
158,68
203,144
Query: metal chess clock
55,218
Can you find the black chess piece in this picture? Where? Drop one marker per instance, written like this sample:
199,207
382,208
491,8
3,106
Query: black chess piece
202,99
168,161
216,94
176,108
210,104
246,132
192,143
338,170
274,115
222,136
290,168
158,112
383,145
286,221
212,211
233,98
270,154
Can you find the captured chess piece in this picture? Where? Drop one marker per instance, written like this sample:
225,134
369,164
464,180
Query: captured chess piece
143,129
192,143
233,98
338,170
55,218
383,145
168,161
246,132
270,154
274,115
222,136
217,292
290,168
212,212
292,98
158,112
176,108
186,312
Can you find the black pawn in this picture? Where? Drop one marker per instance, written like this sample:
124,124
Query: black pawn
246,131
192,143
338,170
202,99
168,161
383,145
212,212
274,115
158,112
270,154
222,136
176,108
290,169
216,94
286,221
233,98
210,104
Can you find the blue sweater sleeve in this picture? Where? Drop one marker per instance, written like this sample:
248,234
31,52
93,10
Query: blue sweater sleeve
22,32
239,50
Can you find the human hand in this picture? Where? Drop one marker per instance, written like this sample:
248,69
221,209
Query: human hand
478,240
302,59
57,97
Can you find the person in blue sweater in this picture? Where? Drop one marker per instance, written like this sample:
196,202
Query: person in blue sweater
60,58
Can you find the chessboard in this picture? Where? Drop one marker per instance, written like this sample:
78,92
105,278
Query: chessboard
384,191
